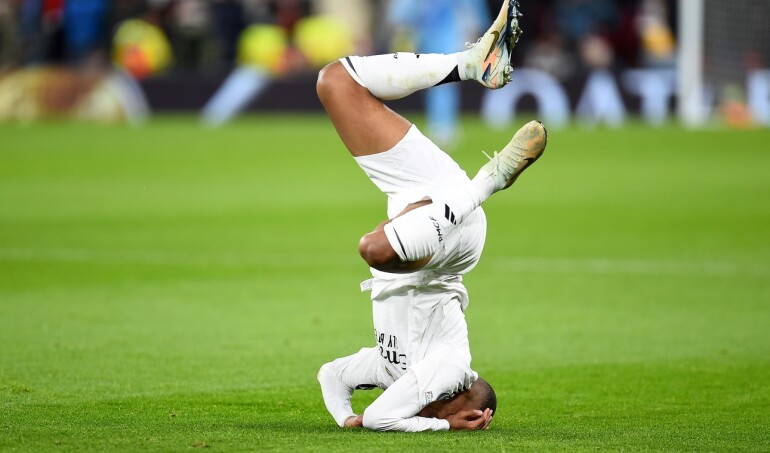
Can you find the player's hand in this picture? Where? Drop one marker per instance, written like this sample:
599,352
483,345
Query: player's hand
470,420
354,421
489,420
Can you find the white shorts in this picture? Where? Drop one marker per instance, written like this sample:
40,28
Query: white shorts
415,170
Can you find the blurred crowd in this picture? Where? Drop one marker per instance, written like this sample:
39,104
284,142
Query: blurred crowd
562,37
201,34
568,36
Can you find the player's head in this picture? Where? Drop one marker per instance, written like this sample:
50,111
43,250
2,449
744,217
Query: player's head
480,396
483,395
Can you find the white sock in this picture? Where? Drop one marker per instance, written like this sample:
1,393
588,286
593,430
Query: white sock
419,233
484,185
394,76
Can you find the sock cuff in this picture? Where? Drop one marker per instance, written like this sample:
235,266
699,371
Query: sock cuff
347,63
457,203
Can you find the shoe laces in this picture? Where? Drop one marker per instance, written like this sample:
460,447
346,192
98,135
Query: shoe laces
469,45
512,162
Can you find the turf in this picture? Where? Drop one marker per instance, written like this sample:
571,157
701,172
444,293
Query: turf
168,287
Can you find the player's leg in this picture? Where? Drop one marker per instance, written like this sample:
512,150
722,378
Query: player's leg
407,242
365,125
352,89
375,248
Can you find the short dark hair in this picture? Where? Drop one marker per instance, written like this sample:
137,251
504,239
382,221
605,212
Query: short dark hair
487,396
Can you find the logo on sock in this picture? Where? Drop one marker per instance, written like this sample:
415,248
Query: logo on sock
437,226
449,214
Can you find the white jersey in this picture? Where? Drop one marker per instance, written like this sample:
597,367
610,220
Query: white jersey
417,315
422,352
422,355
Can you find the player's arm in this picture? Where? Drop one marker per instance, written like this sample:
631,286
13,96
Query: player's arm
340,378
396,409
336,394
415,402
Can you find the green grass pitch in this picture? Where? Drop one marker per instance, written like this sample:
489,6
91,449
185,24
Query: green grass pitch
170,287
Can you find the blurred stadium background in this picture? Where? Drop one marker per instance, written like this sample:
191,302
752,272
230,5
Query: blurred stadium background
178,222
598,61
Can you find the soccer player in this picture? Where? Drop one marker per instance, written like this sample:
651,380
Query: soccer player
435,234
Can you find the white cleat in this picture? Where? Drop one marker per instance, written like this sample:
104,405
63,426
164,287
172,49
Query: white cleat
489,60
526,146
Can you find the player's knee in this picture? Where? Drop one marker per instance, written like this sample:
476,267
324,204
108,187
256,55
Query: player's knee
376,250
323,84
329,78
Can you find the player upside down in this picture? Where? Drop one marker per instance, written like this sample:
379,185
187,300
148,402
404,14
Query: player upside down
435,234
